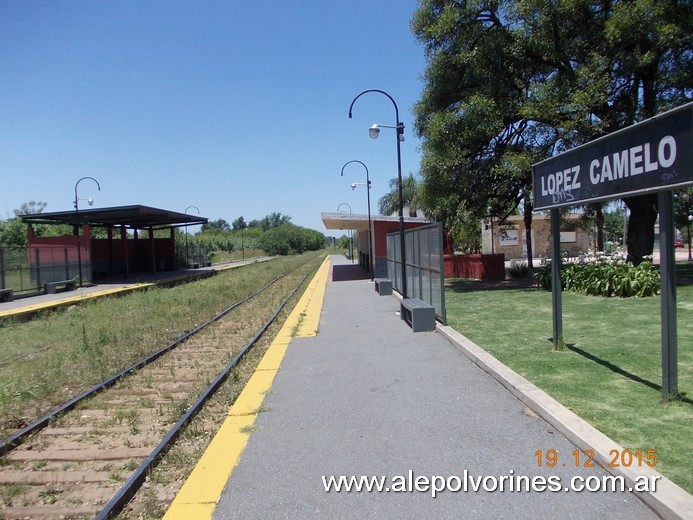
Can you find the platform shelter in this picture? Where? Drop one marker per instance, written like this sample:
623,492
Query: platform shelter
380,226
123,250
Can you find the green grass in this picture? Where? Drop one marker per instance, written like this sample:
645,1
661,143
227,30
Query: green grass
610,374
48,360
218,257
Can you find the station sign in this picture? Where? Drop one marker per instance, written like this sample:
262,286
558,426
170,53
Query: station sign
651,156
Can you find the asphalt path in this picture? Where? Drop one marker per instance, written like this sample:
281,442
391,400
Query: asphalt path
368,397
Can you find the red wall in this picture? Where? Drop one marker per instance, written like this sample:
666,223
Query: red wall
103,258
478,267
382,229
53,250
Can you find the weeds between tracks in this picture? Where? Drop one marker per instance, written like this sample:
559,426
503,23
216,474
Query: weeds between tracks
59,354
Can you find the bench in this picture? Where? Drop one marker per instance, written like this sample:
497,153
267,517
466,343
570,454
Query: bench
52,287
420,316
5,295
383,286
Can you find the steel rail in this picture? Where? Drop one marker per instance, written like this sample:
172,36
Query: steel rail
130,488
16,439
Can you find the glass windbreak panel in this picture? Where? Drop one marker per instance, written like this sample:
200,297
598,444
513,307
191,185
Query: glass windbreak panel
436,249
426,248
416,248
426,288
436,297
410,242
413,288
412,285
392,272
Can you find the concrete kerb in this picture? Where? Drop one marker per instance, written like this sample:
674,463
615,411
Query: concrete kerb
669,501
30,310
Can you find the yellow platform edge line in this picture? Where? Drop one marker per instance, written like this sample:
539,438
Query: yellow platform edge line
29,309
71,299
312,310
202,489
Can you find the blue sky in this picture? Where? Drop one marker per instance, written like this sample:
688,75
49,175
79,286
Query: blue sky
235,107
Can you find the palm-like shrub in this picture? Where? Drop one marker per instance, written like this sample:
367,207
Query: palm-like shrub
604,275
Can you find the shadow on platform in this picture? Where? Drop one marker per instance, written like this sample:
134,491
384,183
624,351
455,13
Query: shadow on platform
343,273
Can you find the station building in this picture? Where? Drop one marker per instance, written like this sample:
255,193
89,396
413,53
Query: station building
380,227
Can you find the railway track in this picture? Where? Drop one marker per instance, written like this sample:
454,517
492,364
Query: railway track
90,457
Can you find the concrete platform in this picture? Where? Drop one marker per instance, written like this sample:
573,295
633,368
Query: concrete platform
365,396
22,307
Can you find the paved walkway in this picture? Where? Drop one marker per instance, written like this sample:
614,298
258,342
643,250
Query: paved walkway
367,396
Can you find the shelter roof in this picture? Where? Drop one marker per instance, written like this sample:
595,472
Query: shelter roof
133,217
360,222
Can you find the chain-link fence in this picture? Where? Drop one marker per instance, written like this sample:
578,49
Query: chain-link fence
25,270
424,265
192,255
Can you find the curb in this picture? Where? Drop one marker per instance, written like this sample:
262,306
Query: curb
670,501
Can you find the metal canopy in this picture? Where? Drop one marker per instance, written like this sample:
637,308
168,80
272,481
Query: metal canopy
360,222
133,217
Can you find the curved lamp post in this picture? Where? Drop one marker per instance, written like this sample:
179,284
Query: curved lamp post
351,244
90,201
490,214
187,261
373,133
368,192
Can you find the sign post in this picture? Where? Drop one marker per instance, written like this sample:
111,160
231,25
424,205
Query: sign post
556,281
667,267
654,156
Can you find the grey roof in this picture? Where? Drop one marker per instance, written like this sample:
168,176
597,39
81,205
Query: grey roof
360,222
134,217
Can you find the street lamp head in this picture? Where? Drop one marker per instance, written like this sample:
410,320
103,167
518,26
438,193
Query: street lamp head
353,185
90,201
77,199
374,131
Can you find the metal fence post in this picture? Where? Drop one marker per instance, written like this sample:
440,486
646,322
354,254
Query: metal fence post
38,268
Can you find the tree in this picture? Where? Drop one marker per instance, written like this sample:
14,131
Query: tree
289,239
466,231
215,225
239,224
388,204
342,242
594,213
683,207
478,146
13,232
30,208
511,82
614,223
274,220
